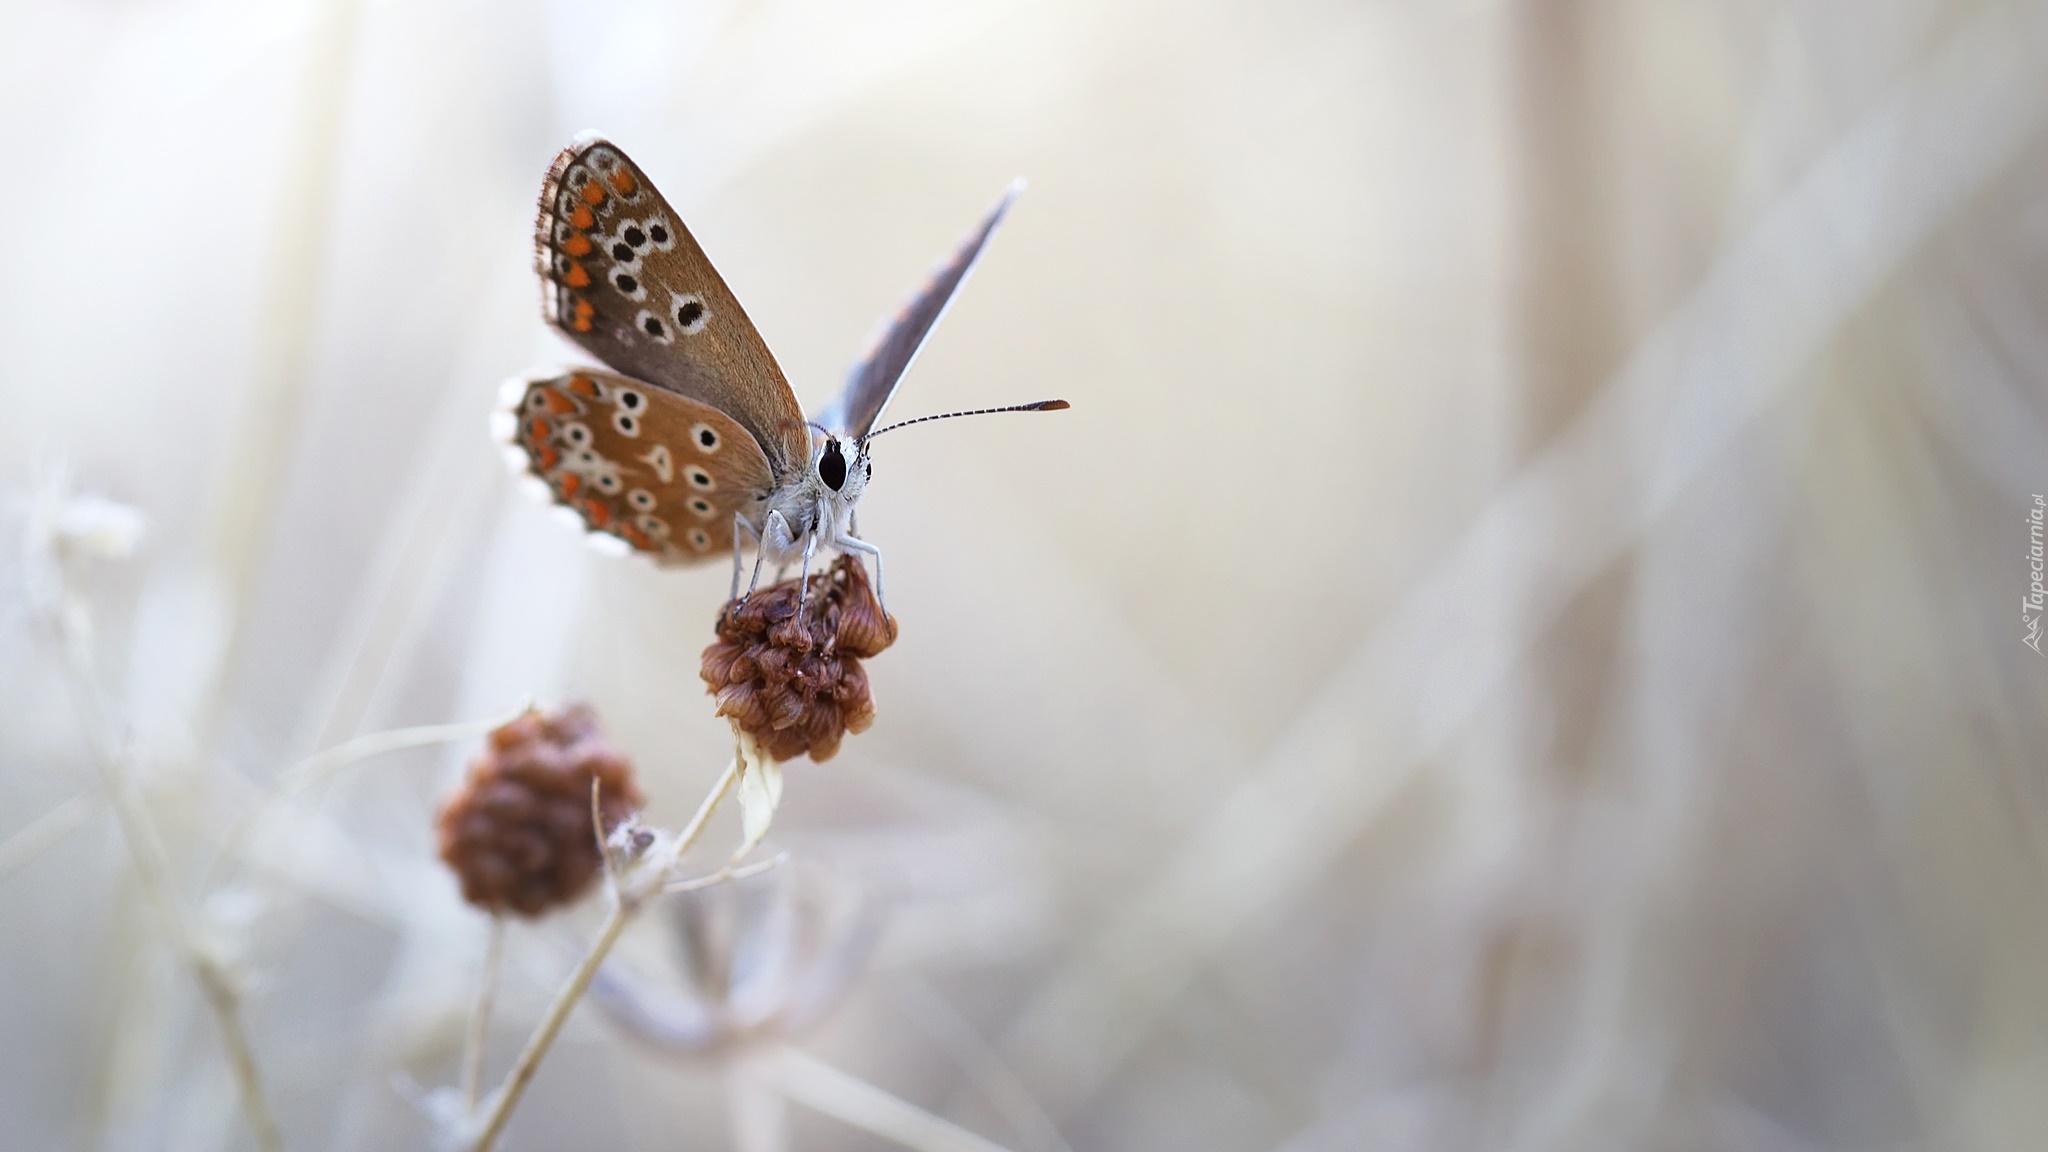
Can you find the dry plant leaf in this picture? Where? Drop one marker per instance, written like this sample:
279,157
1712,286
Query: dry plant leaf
760,792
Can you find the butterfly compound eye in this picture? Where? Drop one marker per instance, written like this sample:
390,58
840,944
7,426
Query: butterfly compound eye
832,467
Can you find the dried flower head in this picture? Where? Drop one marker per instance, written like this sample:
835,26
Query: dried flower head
518,831
792,679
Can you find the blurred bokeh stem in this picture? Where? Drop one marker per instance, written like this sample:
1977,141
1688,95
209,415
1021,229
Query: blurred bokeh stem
480,1016
153,871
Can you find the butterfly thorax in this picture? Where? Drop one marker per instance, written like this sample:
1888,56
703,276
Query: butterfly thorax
816,502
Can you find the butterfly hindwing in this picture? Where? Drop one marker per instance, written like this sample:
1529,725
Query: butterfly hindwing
873,378
625,279
659,471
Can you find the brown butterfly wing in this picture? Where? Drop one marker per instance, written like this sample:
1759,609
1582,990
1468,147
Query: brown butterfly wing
623,278
889,355
661,472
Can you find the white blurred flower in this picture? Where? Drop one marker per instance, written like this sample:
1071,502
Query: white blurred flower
226,930
455,1124
63,531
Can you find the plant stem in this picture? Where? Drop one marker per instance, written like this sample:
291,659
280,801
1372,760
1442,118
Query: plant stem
324,765
480,1017
695,827
227,1008
44,833
816,1084
508,1093
153,871
625,903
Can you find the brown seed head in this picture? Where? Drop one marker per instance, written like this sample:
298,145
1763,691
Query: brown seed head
793,679
517,833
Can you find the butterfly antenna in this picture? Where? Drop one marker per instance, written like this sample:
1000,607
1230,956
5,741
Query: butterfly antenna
1035,406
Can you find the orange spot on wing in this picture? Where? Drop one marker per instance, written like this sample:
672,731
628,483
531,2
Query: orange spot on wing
622,182
636,538
580,315
545,457
581,323
582,386
577,245
570,484
577,277
539,430
593,195
580,217
557,403
596,512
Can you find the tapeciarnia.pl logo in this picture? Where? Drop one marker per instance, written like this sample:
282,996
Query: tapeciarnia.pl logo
2037,596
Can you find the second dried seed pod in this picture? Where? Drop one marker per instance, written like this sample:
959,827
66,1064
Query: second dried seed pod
517,833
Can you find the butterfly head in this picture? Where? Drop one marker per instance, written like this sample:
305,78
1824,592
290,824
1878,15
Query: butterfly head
843,467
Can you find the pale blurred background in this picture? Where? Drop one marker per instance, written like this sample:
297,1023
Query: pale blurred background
1517,644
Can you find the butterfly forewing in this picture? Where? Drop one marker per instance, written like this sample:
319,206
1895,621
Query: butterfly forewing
624,278
658,470
873,378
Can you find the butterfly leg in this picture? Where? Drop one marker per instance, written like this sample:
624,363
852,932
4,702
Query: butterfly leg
776,536
739,522
803,587
851,543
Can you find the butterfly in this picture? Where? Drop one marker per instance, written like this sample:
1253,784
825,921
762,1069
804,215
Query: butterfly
693,442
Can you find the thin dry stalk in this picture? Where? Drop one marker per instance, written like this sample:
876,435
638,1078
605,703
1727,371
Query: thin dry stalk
817,1085
44,833
480,1017
725,874
325,765
226,1001
626,902
152,870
